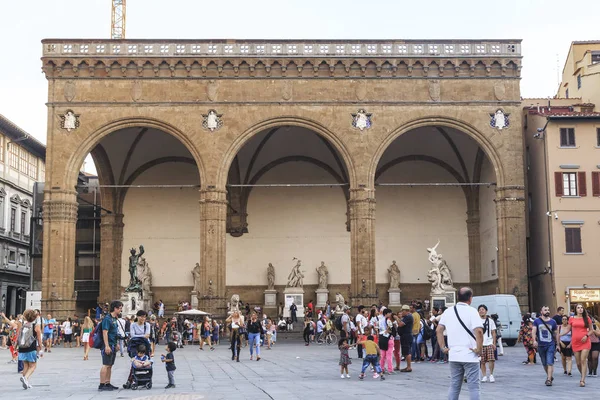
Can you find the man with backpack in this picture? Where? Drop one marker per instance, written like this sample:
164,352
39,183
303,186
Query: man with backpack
545,337
107,334
29,343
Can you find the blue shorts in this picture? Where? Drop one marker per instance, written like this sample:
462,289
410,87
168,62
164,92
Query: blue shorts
47,336
30,356
547,354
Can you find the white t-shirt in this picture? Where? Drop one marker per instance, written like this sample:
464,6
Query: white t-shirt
346,319
382,323
67,328
459,341
488,336
361,323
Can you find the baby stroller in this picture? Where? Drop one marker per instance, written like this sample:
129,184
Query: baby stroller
141,377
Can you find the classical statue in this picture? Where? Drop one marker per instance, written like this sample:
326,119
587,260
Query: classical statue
134,282
196,275
394,274
234,304
144,275
323,274
295,278
270,277
70,121
439,274
341,303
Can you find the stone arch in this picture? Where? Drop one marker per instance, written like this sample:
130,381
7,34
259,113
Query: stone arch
483,142
92,140
314,126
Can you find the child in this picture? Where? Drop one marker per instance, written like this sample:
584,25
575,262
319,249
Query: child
372,353
169,361
141,360
344,357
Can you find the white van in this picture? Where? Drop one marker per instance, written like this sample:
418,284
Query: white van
509,314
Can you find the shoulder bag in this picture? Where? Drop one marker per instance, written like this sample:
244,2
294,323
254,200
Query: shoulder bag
463,324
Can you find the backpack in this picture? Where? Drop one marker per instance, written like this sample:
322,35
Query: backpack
338,323
96,339
427,331
26,336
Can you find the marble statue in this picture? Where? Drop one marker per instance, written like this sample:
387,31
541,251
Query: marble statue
394,274
144,276
295,278
270,277
234,304
439,274
134,282
323,275
341,303
70,121
196,275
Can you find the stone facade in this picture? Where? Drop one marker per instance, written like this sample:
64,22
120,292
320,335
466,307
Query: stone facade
252,87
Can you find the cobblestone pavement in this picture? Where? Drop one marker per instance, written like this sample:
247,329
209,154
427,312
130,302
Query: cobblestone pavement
289,371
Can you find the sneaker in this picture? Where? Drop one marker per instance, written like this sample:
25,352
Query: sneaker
105,387
24,382
376,375
169,386
382,377
342,376
347,376
361,376
565,372
390,372
492,380
484,379
112,386
29,386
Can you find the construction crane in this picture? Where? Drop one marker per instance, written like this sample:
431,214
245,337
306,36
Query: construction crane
117,25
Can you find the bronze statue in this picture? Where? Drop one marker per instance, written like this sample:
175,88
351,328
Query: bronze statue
134,282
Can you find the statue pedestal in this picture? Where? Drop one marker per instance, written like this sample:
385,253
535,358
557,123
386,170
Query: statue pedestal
293,295
444,298
194,299
270,306
132,303
394,297
322,297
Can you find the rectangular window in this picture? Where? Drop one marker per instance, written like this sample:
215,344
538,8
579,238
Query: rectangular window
13,150
567,93
12,256
33,165
567,137
578,81
598,137
13,218
22,259
595,57
23,160
569,184
23,221
573,240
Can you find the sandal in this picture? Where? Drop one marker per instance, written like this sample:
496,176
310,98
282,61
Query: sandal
406,370
548,382
581,383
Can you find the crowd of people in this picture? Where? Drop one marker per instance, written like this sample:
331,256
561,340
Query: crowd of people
467,338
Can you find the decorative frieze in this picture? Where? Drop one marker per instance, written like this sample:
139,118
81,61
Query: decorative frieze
60,211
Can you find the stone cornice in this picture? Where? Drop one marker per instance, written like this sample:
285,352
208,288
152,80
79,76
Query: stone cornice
285,59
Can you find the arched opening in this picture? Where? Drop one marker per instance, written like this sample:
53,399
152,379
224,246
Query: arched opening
288,190
436,183
145,193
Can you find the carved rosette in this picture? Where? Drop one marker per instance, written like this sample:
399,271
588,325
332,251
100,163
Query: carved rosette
60,211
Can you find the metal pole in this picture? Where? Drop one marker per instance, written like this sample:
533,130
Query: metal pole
438,184
290,185
143,186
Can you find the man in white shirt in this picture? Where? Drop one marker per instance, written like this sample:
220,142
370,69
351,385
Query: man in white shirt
361,324
489,344
464,327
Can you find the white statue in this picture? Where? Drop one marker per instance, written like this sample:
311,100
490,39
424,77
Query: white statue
439,275
361,120
394,274
295,278
70,121
212,120
234,305
144,276
196,275
323,274
341,303
499,120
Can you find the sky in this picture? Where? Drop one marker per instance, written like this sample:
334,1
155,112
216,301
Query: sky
547,28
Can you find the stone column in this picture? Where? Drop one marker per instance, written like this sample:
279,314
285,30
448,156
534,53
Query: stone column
512,255
362,244
111,252
473,233
58,264
213,219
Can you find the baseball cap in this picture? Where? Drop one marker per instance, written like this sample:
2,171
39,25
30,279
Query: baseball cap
405,308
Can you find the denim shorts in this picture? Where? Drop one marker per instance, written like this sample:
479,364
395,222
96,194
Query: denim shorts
47,336
547,354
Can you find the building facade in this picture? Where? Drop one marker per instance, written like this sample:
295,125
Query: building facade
236,154
22,163
581,73
562,146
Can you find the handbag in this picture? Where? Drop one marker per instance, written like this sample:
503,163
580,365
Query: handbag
463,324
